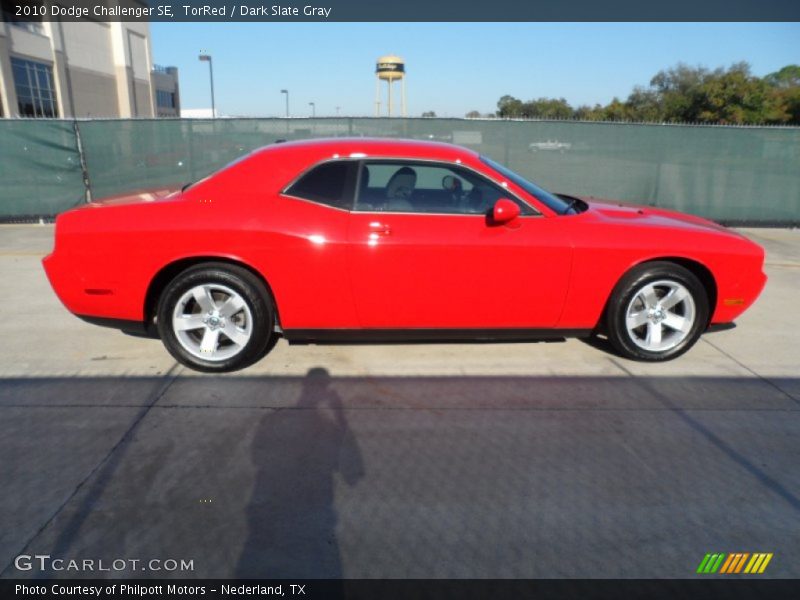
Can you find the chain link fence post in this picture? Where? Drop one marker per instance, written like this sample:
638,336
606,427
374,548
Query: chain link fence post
87,197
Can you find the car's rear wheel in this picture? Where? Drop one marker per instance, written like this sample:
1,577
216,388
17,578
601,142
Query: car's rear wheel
656,312
215,317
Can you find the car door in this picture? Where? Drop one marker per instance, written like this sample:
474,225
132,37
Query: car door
307,266
423,254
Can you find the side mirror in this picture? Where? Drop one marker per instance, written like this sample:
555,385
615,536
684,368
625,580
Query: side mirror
504,211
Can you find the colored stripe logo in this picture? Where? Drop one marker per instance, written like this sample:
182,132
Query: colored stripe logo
734,562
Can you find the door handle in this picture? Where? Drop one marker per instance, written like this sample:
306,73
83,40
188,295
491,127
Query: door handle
379,228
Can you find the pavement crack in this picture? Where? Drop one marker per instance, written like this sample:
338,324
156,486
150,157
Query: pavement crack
103,469
757,473
749,370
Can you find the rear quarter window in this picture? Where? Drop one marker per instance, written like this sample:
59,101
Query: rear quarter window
331,183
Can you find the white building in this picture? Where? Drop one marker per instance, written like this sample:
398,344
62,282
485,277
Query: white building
82,69
199,113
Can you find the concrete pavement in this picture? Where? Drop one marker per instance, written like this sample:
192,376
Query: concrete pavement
517,460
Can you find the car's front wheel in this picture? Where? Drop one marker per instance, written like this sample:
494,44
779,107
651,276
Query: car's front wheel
657,312
215,317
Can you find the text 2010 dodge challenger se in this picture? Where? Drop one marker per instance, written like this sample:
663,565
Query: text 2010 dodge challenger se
388,240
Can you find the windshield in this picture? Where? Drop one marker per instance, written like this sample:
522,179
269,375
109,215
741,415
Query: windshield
552,201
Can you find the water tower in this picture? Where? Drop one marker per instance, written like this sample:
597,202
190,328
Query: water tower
390,68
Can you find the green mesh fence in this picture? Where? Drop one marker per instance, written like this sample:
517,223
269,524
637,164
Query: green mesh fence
730,174
123,156
40,168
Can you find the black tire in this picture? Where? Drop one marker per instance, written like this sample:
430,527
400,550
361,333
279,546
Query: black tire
627,293
250,289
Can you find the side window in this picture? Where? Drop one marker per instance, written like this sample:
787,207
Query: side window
419,187
330,183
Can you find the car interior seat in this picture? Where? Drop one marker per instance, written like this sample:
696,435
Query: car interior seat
399,189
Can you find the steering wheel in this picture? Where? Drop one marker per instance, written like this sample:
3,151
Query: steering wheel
455,187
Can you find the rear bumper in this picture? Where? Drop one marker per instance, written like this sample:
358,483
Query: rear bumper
88,294
137,328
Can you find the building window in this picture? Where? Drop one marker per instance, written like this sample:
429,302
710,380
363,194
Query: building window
165,99
36,96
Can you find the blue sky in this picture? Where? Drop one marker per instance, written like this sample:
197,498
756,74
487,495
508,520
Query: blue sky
452,67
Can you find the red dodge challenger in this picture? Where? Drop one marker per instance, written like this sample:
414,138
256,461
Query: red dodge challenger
384,240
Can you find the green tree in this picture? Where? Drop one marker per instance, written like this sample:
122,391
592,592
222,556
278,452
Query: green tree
789,105
473,114
787,77
547,108
509,107
615,111
785,90
730,95
589,113
643,105
678,92
736,96
429,113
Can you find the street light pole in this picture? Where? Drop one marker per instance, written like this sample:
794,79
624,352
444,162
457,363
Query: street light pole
287,101
313,109
207,58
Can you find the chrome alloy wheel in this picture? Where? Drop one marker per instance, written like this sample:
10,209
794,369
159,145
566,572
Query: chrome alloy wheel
212,322
660,315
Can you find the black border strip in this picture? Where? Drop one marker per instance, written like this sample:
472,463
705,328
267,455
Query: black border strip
424,11
723,588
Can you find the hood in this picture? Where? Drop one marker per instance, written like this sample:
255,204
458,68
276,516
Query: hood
615,210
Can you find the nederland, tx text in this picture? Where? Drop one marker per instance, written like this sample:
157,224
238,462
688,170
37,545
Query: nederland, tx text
275,10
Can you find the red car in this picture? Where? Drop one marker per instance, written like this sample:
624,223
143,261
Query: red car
384,240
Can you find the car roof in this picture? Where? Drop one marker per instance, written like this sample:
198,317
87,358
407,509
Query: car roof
371,147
